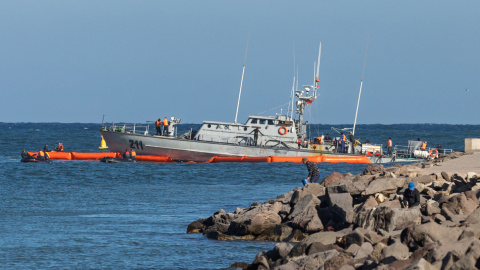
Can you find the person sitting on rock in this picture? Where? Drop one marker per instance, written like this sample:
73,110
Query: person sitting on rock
411,197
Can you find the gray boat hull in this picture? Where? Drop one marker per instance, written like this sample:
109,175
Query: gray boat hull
191,150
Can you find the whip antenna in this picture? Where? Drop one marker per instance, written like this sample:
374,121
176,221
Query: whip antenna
243,72
360,92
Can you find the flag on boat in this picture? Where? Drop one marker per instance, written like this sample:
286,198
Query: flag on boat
309,101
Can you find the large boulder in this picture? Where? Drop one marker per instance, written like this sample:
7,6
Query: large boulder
396,251
474,217
388,219
305,216
373,169
332,178
459,204
314,189
431,232
383,185
326,238
424,179
255,219
341,204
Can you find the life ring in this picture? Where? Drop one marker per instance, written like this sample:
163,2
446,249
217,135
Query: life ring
282,130
434,155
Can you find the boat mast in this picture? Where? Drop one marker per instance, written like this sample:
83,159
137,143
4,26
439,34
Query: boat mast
304,100
241,82
360,92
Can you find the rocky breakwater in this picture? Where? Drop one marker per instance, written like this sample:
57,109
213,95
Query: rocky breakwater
357,222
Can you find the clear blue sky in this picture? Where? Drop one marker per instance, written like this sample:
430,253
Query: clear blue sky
133,61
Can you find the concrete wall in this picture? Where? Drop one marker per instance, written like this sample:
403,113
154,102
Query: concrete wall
472,144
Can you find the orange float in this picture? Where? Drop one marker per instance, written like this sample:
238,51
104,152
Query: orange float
346,159
315,159
216,159
257,159
60,155
92,156
150,158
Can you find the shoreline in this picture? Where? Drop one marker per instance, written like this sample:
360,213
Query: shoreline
357,221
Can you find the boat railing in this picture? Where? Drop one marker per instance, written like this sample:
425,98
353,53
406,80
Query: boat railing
402,151
128,128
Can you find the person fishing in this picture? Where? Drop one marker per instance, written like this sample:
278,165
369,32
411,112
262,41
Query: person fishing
313,171
411,196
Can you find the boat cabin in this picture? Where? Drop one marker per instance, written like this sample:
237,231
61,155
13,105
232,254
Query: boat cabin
257,131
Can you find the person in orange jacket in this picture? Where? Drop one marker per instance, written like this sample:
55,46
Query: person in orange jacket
389,146
165,126
158,126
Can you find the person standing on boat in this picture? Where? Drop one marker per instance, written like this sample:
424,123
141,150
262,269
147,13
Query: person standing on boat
133,154
389,146
352,141
45,148
165,126
313,171
328,138
158,127
255,136
343,138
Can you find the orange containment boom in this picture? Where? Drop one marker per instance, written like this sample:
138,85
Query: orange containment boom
149,158
92,156
346,159
315,159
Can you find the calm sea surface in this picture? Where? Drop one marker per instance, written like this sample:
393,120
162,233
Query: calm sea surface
88,214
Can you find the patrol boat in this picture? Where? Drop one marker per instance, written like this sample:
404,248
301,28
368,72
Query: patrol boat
260,136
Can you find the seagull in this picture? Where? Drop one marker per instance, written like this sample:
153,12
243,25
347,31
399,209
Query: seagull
466,89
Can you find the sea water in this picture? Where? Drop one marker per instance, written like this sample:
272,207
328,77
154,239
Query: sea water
93,215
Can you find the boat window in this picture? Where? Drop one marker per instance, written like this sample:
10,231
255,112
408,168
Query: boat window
254,121
262,121
270,122
245,129
209,126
